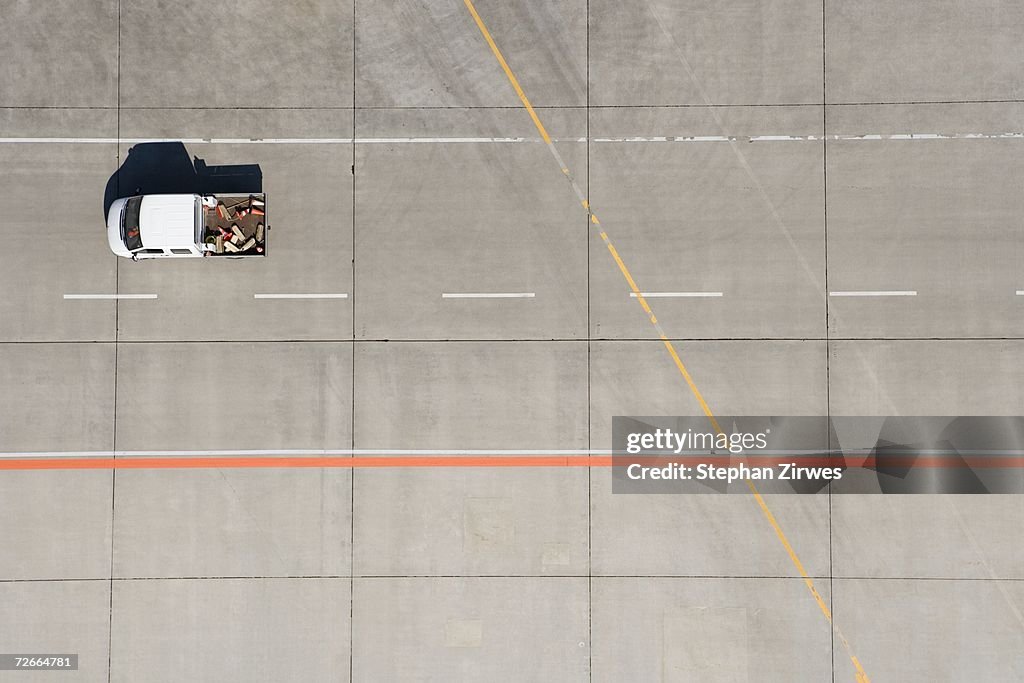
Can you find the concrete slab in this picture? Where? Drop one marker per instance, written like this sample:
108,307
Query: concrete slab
931,630
58,617
744,219
233,523
59,54
657,534
470,395
909,52
735,378
685,587
277,629
427,629
458,522
898,536
54,226
234,396
255,53
939,217
705,535
193,523
739,52
469,218
926,377
56,525
51,385
309,249
709,629
456,396
412,54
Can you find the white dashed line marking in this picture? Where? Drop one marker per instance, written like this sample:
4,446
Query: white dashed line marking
488,295
341,295
670,295
894,292
110,296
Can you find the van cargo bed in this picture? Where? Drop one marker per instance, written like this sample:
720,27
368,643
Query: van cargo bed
237,226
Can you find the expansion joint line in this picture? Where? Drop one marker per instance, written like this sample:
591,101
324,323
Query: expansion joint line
862,676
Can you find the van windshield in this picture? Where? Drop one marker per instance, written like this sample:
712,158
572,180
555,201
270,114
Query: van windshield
130,226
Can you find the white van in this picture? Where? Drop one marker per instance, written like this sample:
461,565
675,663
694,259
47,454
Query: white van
188,226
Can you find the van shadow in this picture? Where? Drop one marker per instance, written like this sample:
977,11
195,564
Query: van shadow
167,168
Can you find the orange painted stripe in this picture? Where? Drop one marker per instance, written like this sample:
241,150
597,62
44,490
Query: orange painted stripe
200,462
487,462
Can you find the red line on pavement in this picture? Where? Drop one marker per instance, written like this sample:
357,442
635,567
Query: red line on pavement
399,462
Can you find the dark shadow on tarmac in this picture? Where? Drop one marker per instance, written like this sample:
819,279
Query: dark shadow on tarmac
167,168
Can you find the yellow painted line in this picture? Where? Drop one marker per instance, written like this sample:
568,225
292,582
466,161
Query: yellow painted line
789,549
861,675
690,383
508,73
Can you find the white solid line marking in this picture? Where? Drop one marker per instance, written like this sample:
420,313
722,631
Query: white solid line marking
189,141
453,140
298,452
274,141
666,295
301,296
301,452
868,137
1020,292
488,295
894,292
110,296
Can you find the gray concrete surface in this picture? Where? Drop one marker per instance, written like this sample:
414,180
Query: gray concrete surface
900,536
940,219
481,628
53,196
465,218
230,629
64,386
469,395
743,52
904,625
199,523
254,53
742,220
71,509
506,574
451,522
954,52
81,73
708,629
70,617
441,66
636,535
266,396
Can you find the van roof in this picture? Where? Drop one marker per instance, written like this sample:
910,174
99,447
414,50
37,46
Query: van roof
168,221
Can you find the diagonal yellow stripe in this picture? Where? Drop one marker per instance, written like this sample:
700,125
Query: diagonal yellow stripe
511,76
862,677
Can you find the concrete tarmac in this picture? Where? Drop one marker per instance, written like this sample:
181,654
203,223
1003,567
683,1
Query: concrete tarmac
400,167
